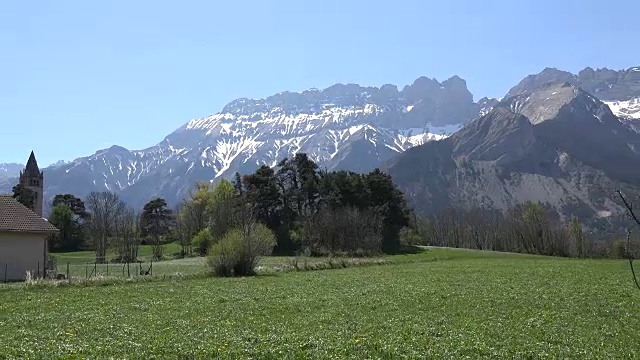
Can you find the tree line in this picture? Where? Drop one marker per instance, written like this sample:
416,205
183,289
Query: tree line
529,228
103,221
307,209
304,209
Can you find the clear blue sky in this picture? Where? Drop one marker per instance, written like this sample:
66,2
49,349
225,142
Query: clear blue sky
78,76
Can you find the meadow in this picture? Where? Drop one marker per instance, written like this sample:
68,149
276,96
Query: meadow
441,303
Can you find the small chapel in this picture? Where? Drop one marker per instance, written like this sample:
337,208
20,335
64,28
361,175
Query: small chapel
23,232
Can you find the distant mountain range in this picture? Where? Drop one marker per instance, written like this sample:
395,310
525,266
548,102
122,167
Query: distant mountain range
342,127
8,173
10,170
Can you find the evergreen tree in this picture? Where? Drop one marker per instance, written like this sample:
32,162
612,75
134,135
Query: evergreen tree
156,220
25,196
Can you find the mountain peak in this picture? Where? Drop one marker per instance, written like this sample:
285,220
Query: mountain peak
500,136
548,76
546,103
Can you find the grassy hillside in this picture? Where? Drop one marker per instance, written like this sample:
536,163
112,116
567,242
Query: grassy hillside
443,302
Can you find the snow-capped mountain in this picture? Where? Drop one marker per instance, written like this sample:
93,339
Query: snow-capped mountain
341,127
7,173
10,170
345,126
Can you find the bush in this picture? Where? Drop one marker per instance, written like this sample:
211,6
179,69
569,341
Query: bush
623,250
410,237
202,241
240,250
619,250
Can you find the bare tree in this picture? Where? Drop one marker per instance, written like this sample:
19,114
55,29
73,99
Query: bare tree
104,208
629,206
126,235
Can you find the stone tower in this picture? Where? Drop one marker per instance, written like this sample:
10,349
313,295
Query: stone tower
32,178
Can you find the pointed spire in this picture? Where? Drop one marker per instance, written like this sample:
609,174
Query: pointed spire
32,165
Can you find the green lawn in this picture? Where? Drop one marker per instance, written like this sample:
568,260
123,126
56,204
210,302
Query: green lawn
441,303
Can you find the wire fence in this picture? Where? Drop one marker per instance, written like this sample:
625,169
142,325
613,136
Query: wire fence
70,270
107,269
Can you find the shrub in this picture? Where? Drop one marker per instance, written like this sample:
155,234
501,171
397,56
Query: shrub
623,249
202,241
224,254
240,250
410,237
619,250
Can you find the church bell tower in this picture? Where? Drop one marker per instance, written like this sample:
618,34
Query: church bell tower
32,178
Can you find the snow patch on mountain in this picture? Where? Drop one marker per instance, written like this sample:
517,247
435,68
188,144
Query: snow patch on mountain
629,109
277,133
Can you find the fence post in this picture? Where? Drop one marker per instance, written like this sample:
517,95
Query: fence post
140,268
107,268
68,275
86,270
95,268
38,273
151,268
128,270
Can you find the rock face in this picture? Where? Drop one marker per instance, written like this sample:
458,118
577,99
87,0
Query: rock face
345,126
556,144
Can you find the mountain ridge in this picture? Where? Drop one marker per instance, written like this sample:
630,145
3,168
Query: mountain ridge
344,126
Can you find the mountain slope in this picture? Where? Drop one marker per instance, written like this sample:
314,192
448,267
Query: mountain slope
556,144
341,127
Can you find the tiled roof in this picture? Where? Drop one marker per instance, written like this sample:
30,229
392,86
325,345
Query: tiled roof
17,217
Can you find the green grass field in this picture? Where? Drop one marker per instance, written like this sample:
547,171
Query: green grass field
442,303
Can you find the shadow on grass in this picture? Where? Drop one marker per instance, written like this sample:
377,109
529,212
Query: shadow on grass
410,250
